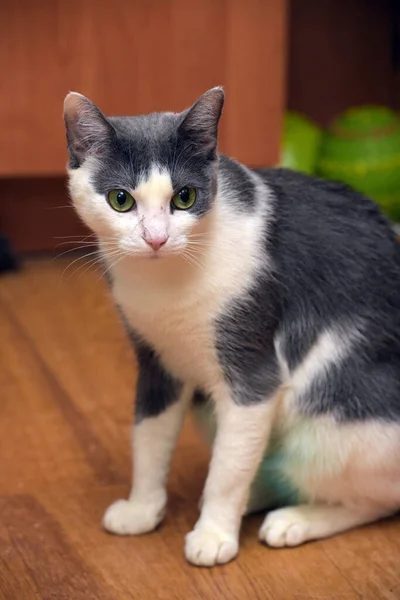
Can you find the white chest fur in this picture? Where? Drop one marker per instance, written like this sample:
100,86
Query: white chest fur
182,333
175,307
178,319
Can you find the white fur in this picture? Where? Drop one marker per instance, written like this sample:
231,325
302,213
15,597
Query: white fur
209,545
238,448
295,525
155,190
123,234
153,443
153,197
349,463
331,347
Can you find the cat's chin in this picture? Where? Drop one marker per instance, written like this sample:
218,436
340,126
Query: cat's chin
153,255
159,255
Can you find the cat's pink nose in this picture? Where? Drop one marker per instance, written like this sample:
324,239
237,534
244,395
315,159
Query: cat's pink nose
156,241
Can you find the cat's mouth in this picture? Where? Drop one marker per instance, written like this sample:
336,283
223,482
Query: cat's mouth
153,255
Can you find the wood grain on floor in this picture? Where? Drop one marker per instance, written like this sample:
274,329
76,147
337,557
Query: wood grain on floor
66,380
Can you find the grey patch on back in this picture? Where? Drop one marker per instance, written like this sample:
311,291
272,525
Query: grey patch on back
355,389
335,260
244,341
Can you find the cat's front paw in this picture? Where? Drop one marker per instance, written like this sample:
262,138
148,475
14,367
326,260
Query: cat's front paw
209,546
131,517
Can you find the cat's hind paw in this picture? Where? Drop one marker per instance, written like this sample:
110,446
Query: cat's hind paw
129,517
209,546
284,527
295,525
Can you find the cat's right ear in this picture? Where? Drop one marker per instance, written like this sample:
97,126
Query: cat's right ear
88,131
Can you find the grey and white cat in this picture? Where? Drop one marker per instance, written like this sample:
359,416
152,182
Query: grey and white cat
268,300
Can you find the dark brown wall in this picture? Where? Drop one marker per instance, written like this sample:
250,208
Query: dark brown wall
36,214
339,56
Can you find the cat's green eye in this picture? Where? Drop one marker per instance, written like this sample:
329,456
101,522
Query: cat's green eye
185,198
121,200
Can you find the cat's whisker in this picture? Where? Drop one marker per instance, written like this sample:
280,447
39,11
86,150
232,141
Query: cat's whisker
112,265
199,234
82,244
86,243
192,258
199,240
86,266
187,259
59,207
197,237
199,244
92,264
75,237
63,237
197,251
93,261
75,261
198,248
76,249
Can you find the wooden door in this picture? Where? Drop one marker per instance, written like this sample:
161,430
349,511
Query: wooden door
131,57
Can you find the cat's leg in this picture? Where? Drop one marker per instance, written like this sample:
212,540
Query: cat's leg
159,412
295,525
241,438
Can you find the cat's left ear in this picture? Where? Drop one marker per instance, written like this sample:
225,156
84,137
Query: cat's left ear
200,123
88,130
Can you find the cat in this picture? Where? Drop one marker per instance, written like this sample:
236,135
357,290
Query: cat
267,300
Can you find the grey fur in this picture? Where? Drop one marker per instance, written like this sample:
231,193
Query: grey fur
185,143
156,388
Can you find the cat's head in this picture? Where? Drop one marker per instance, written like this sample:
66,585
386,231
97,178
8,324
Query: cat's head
143,184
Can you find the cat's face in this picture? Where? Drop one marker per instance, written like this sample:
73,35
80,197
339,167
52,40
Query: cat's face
143,184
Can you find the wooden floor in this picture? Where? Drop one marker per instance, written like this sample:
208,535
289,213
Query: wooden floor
66,380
